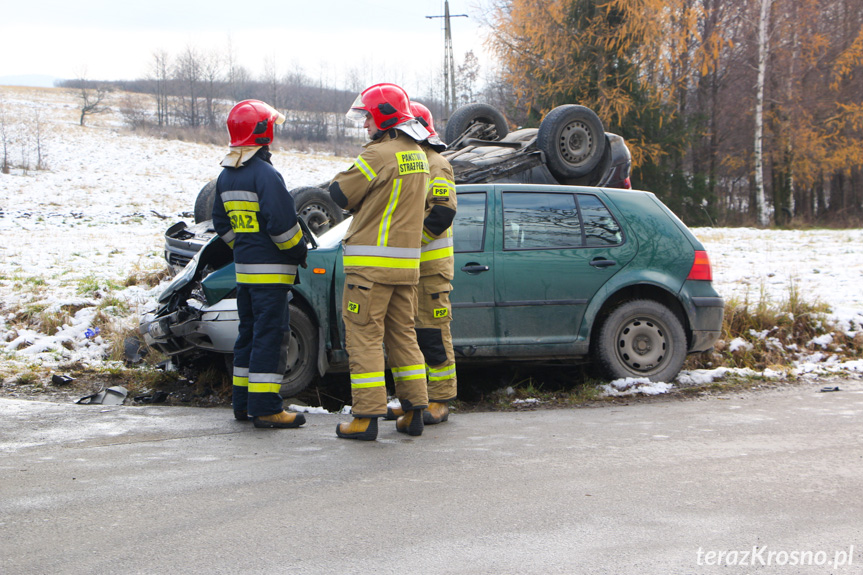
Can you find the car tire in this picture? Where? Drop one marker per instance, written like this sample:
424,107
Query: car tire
204,202
302,354
470,114
573,140
641,338
317,209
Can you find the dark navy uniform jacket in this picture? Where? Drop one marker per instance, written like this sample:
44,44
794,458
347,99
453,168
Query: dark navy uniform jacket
254,214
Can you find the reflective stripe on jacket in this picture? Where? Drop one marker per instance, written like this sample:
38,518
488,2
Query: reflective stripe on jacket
385,188
440,210
254,214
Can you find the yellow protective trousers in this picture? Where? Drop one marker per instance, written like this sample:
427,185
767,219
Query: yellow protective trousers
378,315
434,316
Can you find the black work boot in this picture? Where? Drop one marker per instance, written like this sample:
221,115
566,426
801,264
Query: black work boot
436,412
411,422
362,428
241,415
283,420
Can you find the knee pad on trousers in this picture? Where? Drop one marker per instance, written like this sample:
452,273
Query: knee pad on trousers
430,341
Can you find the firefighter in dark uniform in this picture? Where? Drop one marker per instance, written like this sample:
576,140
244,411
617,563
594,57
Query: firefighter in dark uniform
434,313
385,189
254,214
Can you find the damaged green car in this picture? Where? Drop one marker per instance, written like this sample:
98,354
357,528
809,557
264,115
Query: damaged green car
543,273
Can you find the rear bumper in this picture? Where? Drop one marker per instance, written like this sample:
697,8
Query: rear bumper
707,322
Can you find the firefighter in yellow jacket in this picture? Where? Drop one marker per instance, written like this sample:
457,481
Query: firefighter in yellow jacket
434,313
385,189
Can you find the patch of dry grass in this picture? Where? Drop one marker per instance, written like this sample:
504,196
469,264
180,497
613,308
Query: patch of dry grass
148,276
763,334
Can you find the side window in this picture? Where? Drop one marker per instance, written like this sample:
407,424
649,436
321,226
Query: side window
469,225
600,227
540,220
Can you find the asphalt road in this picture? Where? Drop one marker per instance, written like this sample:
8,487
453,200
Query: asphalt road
766,482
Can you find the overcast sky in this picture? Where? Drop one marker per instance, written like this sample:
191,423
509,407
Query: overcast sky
390,40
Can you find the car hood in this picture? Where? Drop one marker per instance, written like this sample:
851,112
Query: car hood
190,273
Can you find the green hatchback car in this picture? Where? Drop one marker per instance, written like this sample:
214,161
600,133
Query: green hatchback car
543,273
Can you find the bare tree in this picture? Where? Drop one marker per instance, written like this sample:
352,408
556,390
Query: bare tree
38,128
466,79
4,140
211,73
355,81
135,111
295,80
237,75
159,73
189,72
25,155
91,95
270,80
240,83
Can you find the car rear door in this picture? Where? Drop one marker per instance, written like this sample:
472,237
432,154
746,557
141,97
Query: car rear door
557,249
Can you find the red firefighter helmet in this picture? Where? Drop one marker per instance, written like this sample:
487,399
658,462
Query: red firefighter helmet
387,104
420,111
424,116
251,122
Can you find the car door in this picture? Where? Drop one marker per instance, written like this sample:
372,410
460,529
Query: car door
558,249
472,297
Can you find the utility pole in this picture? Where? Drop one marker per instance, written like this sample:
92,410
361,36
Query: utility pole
448,63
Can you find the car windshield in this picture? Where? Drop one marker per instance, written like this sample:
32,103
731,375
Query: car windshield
332,237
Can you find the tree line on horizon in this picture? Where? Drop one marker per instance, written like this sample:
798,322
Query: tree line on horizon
195,89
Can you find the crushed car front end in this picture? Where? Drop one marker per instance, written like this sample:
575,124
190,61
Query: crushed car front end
190,319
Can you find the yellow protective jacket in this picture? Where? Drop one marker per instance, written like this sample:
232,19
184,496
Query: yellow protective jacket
385,189
440,209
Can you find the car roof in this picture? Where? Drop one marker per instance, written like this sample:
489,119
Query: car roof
543,188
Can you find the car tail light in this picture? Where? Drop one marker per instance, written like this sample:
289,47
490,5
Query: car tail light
627,184
701,267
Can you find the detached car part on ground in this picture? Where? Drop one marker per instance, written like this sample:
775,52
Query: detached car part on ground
544,273
569,147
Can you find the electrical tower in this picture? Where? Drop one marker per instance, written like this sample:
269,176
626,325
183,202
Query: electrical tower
448,60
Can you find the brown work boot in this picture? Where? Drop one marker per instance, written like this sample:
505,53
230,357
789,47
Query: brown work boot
411,423
437,412
394,413
363,428
283,420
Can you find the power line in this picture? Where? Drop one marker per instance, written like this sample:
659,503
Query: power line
448,61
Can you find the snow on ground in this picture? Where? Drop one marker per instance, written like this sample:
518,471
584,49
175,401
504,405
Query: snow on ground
822,264
96,215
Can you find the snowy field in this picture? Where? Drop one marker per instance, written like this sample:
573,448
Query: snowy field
96,216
